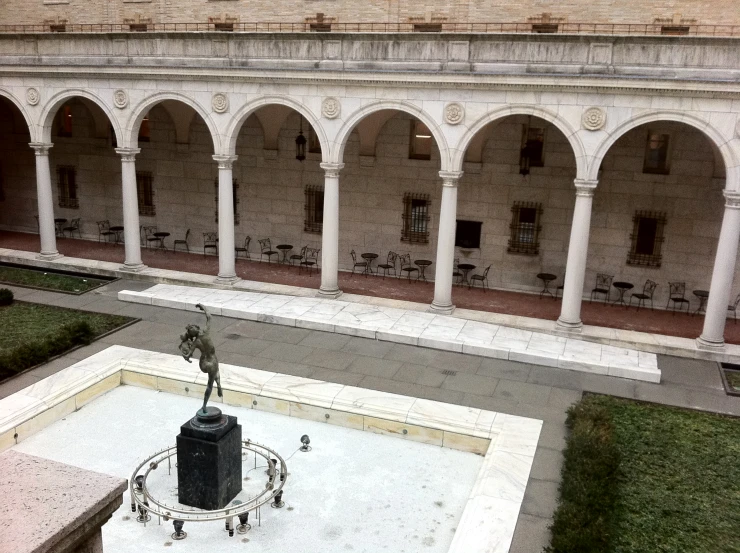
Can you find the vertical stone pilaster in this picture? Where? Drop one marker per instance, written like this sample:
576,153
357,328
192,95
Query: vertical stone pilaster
330,232
131,229
226,252
45,198
442,302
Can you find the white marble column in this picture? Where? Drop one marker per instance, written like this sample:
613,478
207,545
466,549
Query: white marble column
45,197
330,232
712,335
442,302
226,252
131,232
575,270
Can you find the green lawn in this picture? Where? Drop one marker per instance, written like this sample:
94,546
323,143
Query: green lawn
675,487
37,278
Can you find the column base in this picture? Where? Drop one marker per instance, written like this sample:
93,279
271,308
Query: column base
568,326
226,279
330,293
48,256
133,267
709,345
447,309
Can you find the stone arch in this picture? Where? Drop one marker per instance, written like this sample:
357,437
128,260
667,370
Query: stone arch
143,107
52,106
561,124
351,122
714,136
13,100
235,125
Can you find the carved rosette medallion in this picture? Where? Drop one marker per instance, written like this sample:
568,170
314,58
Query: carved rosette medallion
594,119
220,102
331,108
120,99
454,113
33,96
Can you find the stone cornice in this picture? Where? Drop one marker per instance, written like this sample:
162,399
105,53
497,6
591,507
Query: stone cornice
504,82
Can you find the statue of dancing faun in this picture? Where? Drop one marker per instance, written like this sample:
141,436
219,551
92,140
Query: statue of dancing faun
196,338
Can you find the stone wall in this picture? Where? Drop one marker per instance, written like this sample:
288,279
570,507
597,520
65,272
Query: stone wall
272,183
705,12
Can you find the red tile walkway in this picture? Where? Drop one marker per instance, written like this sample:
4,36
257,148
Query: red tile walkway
512,303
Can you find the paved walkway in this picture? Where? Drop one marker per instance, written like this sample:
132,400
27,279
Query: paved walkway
441,332
619,338
494,384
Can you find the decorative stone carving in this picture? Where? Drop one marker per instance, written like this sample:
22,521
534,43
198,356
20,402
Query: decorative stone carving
33,96
220,102
120,99
454,113
594,119
331,108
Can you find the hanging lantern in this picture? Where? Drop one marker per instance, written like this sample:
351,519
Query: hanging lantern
525,153
300,144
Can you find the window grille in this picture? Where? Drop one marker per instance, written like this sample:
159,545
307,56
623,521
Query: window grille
67,186
525,228
647,238
235,196
314,221
415,218
145,193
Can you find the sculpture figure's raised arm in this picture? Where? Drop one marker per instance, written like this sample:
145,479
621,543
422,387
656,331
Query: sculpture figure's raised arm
207,314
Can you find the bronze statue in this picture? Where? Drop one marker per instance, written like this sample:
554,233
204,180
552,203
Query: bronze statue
195,338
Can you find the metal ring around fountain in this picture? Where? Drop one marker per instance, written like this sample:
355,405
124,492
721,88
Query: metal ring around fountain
192,514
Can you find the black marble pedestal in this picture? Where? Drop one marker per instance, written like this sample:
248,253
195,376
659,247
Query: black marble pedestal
209,462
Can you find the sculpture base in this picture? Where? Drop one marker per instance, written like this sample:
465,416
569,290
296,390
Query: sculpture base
209,461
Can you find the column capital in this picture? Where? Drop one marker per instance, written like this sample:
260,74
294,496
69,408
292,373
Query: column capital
224,162
128,154
585,187
41,148
450,178
732,199
331,170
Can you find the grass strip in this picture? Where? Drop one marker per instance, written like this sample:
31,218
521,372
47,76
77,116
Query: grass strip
49,281
582,521
33,333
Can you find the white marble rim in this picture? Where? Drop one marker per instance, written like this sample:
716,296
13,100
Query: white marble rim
402,326
500,484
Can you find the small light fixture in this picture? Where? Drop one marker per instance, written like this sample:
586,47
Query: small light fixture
300,144
179,534
305,441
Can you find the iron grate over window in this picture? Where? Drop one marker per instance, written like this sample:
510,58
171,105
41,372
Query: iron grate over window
234,189
145,193
525,228
67,186
314,220
647,238
415,218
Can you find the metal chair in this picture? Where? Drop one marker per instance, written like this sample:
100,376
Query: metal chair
389,264
676,293
355,263
73,226
456,274
647,294
406,266
182,242
104,230
603,286
243,249
149,239
266,249
483,278
210,242
310,260
733,307
298,257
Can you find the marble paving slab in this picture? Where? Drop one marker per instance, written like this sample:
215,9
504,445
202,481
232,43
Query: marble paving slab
391,324
491,512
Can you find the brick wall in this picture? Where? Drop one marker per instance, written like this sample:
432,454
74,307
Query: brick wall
707,12
272,184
